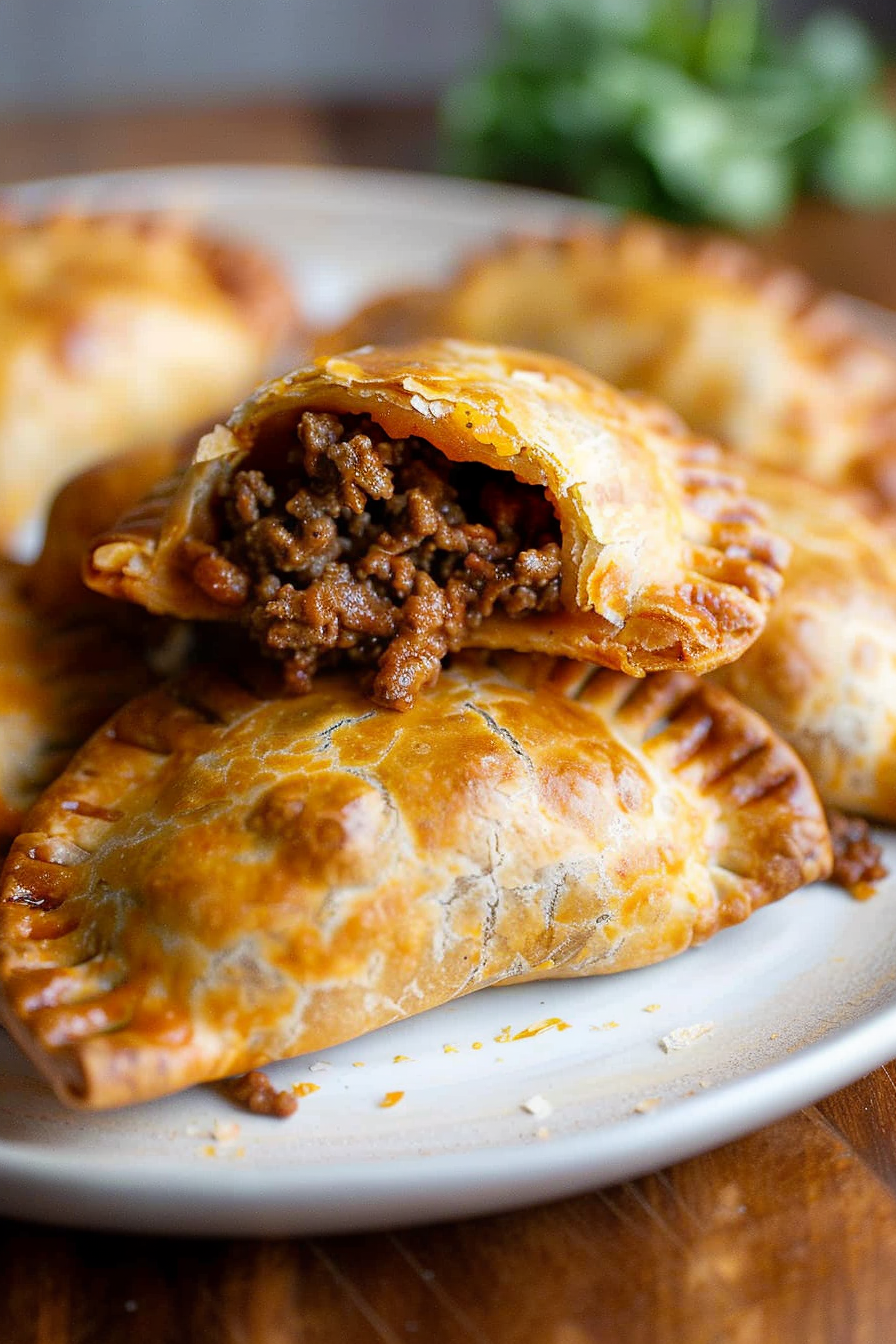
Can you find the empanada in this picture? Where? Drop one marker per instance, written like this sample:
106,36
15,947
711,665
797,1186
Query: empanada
823,672
747,351
87,503
218,881
117,331
396,504
58,681
69,657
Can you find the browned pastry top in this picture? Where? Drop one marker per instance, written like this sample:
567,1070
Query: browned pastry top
218,881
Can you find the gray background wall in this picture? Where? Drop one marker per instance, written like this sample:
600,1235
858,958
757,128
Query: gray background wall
83,53
57,53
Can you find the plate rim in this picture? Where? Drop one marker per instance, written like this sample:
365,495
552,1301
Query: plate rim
495,1177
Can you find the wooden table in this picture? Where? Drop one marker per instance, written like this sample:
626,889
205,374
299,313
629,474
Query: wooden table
788,1236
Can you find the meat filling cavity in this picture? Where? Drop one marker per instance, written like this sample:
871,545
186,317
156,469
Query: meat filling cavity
378,550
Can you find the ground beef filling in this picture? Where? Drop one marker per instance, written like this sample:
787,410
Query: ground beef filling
858,858
258,1094
378,550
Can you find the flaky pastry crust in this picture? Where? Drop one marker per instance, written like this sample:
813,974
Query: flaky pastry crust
120,330
746,350
218,881
665,561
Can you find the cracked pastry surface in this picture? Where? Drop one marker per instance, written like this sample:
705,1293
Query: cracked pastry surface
746,350
477,495
116,331
218,881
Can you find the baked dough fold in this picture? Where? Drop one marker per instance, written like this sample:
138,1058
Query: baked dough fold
218,881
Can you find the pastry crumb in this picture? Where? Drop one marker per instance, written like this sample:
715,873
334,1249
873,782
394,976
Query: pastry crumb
538,1106
224,1132
477,1045
648,1104
450,1050
536,1028
257,1093
682,1037
305,1089
319,1066
652,1008
390,1099
402,1059
605,1026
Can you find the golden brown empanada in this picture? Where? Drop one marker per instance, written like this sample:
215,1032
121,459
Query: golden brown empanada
69,657
87,503
749,352
823,672
218,881
58,681
393,504
116,331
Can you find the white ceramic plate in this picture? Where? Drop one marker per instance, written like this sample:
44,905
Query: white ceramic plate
802,998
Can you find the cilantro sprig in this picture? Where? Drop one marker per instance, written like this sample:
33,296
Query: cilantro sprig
692,109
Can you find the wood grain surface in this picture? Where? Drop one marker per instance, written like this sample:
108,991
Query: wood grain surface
789,1235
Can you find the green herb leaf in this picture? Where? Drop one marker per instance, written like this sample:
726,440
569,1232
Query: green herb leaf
691,108
858,165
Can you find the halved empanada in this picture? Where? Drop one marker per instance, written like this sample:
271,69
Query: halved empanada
394,504
747,351
824,669
116,331
218,881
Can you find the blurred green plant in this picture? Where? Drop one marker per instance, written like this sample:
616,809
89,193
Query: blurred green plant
691,109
